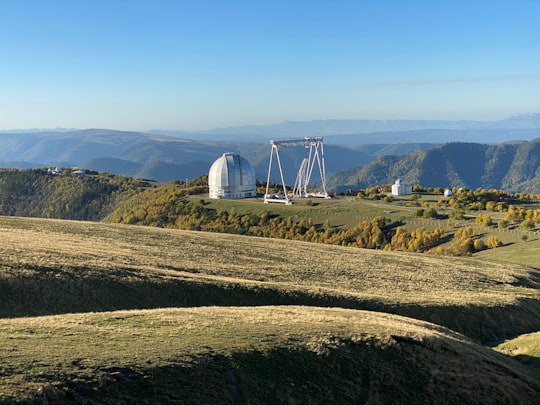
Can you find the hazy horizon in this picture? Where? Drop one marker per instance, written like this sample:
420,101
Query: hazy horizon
36,129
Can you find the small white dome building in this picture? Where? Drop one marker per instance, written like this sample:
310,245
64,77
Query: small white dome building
231,176
448,193
400,188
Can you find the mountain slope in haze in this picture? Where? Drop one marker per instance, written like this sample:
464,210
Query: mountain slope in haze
71,146
125,153
165,158
344,126
512,166
160,157
437,136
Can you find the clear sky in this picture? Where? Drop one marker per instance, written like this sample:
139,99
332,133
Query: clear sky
157,64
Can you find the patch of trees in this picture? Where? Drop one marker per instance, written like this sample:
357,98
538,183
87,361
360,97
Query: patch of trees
526,218
418,240
465,243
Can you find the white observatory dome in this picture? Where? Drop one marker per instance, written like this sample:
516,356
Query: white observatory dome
231,176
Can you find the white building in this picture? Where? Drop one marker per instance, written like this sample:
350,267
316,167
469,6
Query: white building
231,176
400,188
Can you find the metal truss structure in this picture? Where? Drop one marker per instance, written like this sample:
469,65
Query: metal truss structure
315,156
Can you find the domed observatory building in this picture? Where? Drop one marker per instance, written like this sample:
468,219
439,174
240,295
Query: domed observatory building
400,188
231,176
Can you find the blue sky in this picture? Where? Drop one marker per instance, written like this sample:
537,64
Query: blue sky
200,64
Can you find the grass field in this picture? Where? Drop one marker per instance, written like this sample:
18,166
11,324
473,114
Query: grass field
259,345
251,355
525,347
110,267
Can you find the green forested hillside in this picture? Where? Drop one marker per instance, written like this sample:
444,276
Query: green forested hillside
88,196
512,167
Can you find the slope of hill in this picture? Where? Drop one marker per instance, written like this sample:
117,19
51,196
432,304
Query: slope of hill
252,355
514,167
526,348
109,267
257,353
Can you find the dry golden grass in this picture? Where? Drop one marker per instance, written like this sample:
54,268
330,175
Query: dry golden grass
250,353
385,276
59,357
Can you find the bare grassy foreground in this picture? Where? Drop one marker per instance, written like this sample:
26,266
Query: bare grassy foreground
53,267
269,341
386,276
251,355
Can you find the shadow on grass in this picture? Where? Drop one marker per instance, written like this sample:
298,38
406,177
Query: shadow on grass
529,360
337,371
49,291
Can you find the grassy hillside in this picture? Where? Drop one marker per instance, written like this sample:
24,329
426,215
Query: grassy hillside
54,267
525,348
251,355
255,347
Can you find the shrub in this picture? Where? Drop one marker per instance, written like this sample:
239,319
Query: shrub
431,213
527,224
479,244
493,242
457,214
464,233
503,223
484,220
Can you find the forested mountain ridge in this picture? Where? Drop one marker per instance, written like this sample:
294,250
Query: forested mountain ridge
512,166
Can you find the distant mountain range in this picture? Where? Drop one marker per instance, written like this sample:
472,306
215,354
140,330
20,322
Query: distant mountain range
512,166
349,145
356,132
